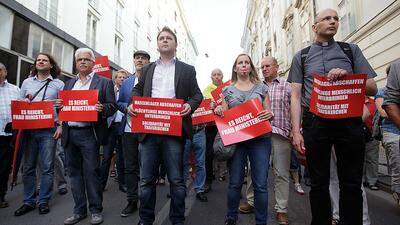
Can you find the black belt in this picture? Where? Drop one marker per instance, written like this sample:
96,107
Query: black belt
79,128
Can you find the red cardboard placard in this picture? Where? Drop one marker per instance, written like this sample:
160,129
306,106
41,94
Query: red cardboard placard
79,105
203,114
157,116
240,123
340,99
217,93
102,66
32,115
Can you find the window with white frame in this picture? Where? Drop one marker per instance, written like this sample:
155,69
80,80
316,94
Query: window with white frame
118,16
135,35
91,30
6,27
41,41
48,9
289,44
346,18
93,3
117,49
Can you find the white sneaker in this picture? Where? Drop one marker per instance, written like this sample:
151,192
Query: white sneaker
299,189
96,218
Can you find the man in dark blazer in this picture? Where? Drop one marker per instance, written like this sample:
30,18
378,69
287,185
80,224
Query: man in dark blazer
82,140
130,140
165,78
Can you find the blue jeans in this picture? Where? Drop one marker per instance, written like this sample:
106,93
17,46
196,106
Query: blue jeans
198,145
151,150
258,151
82,156
40,146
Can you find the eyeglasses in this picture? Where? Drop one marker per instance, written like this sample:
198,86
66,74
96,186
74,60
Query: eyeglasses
329,18
84,60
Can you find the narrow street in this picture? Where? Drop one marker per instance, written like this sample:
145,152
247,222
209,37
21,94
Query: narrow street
382,209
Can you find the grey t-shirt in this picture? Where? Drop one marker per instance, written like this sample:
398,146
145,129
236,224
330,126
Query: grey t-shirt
321,58
393,85
234,96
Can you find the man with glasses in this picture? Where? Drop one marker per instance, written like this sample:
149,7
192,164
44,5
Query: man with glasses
333,60
82,140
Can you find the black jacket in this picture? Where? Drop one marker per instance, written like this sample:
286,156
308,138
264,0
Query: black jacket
106,97
186,88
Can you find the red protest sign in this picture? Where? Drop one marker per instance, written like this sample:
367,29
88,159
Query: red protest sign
240,123
102,66
157,116
79,105
217,93
339,99
203,114
32,115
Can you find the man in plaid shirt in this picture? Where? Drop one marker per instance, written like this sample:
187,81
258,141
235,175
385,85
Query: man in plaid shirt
8,92
279,93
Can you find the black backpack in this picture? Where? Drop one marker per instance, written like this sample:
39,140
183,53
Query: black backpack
343,45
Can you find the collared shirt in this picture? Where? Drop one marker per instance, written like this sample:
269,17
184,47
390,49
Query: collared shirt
387,124
163,80
8,92
207,91
32,84
118,114
393,85
279,92
82,85
321,58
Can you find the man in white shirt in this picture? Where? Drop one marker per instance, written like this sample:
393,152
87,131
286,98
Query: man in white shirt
166,78
82,140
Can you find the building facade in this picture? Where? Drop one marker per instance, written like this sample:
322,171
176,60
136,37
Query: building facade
116,28
280,28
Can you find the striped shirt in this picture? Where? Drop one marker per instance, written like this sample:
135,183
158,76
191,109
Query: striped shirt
8,92
279,94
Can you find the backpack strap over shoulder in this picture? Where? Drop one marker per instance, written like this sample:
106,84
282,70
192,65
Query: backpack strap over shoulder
347,50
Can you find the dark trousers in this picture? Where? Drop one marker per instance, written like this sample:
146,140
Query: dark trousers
211,132
114,143
346,136
82,156
152,149
130,145
6,154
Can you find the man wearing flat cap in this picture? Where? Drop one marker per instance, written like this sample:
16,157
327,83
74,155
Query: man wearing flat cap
130,140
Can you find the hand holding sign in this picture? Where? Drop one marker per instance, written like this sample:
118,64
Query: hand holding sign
157,116
336,73
343,98
241,123
186,109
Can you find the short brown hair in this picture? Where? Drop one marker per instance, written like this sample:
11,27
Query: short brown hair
167,29
55,70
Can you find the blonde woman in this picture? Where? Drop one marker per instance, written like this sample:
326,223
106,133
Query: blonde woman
246,85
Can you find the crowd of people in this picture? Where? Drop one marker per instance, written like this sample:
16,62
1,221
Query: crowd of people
341,154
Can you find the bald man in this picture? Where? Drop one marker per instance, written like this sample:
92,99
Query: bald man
333,60
217,79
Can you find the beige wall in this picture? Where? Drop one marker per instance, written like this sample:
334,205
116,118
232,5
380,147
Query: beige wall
374,26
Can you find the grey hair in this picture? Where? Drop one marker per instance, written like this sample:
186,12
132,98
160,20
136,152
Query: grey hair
2,66
85,50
